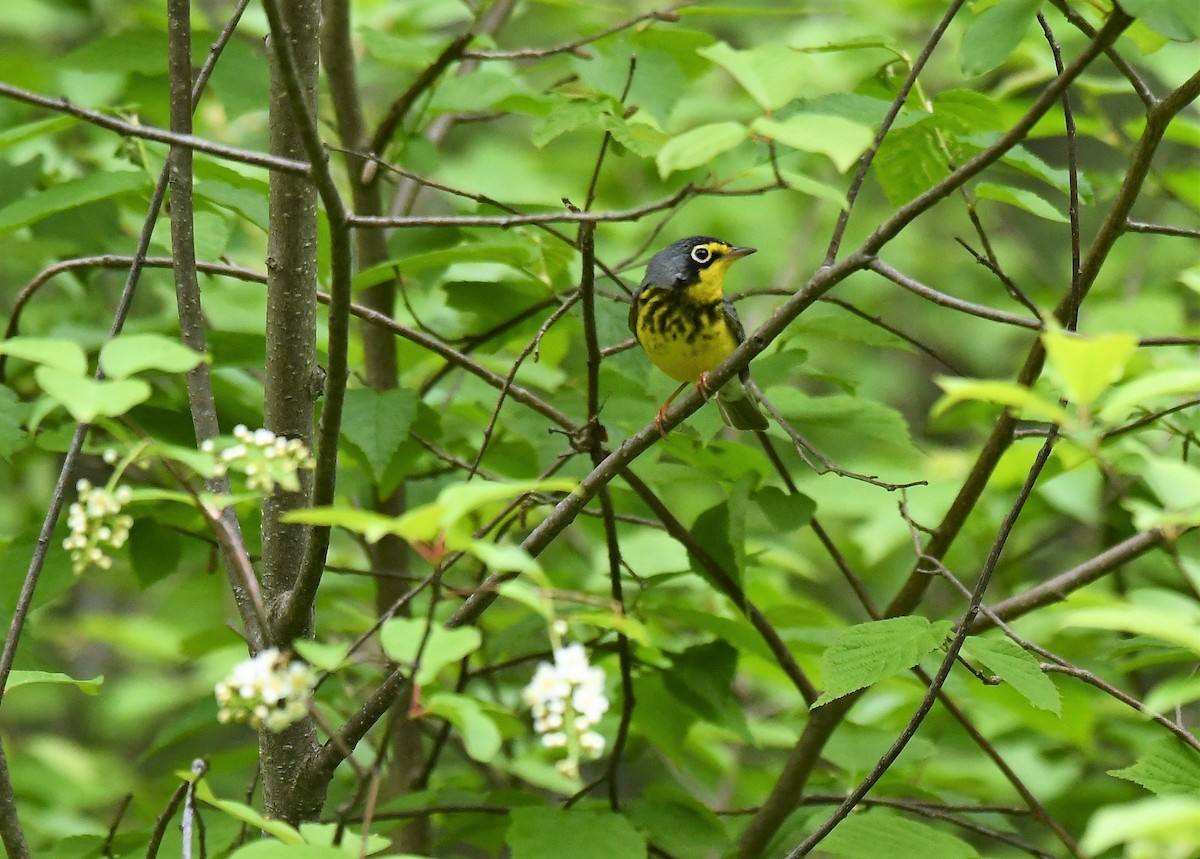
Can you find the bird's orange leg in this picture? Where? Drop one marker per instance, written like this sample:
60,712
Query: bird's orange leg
662,411
702,386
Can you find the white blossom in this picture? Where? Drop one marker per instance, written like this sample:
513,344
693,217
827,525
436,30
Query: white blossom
567,701
267,691
97,523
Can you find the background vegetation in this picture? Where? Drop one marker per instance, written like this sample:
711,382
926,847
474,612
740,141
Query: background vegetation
955,587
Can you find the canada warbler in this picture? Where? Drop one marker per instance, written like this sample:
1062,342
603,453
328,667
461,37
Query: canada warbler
687,326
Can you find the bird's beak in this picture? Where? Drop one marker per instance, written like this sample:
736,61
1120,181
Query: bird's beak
738,253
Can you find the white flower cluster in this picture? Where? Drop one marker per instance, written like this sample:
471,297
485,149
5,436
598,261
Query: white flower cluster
567,700
268,691
266,459
96,523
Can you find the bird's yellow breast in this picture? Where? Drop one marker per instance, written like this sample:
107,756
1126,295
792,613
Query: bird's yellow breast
684,331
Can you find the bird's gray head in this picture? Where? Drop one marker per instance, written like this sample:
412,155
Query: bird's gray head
682,263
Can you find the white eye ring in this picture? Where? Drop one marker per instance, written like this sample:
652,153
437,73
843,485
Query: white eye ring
701,254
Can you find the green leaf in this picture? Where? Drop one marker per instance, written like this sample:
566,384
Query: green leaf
324,835
1143,390
1016,667
1176,484
1169,822
401,638
679,824
1177,627
481,737
154,550
499,556
377,423
880,833
1009,394
13,414
840,140
461,499
773,74
65,355
1087,366
1169,767
268,848
1175,19
569,114
995,34
868,652
31,678
127,354
32,130
100,185
699,146
910,162
373,526
87,399
326,657
240,811
784,511
702,678
555,833
1022,199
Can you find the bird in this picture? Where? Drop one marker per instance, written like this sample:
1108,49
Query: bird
682,319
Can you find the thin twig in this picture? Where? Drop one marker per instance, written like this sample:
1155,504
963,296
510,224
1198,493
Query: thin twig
149,132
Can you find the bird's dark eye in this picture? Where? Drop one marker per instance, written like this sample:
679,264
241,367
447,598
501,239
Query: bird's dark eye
701,254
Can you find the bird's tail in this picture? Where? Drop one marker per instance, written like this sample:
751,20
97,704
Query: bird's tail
738,407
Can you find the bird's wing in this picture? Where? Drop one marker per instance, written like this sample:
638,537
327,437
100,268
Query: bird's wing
739,333
633,312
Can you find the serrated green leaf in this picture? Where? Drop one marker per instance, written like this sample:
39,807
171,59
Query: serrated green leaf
880,833
869,652
127,354
377,423
100,185
1022,199
841,140
1016,667
909,162
62,354
87,399
1169,767
699,146
1087,366
402,637
554,833
1009,394
481,737
995,34
569,114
